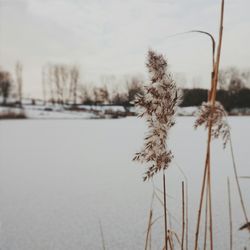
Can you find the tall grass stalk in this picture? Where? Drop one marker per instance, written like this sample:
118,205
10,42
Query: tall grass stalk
206,218
148,234
183,214
186,216
186,205
147,242
170,240
230,214
207,170
210,206
102,236
165,212
237,182
158,106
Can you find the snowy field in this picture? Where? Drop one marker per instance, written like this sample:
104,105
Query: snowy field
61,179
89,112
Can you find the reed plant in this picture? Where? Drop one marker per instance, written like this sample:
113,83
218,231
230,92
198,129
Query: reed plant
157,105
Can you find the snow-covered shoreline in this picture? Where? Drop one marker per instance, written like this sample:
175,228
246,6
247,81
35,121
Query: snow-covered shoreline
88,112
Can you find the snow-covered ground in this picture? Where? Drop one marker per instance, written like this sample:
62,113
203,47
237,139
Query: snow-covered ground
92,111
60,179
57,112
87,112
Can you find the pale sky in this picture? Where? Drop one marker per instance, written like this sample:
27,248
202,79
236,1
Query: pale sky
111,37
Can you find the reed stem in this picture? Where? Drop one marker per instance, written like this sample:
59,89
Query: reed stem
206,217
183,215
207,170
186,216
230,214
165,212
237,181
102,236
149,229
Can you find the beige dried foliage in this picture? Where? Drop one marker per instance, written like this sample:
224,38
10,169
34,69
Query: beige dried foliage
158,106
217,117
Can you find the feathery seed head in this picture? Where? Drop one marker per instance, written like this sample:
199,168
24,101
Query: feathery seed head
217,117
158,106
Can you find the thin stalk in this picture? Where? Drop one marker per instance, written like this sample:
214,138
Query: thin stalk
170,228
170,240
230,214
237,180
210,206
186,209
148,235
102,235
206,215
205,179
216,71
212,98
155,220
244,177
176,236
186,216
165,212
201,202
150,240
183,216
169,213
149,228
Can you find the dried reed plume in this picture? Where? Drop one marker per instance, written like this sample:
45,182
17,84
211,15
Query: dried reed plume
158,106
217,117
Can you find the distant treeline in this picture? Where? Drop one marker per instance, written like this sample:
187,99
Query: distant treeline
62,84
190,97
229,98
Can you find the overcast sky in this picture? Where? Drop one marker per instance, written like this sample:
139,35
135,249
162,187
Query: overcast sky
111,37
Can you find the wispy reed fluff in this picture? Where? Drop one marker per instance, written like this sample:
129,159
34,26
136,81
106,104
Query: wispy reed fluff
158,106
217,117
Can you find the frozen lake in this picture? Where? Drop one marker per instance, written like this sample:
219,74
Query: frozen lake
59,179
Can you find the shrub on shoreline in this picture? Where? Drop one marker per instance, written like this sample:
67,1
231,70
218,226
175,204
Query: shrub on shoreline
12,115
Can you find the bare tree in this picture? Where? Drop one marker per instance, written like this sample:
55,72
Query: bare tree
51,82
19,81
97,96
56,71
74,82
59,79
85,94
104,94
101,95
64,73
134,87
119,97
63,82
5,85
44,76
